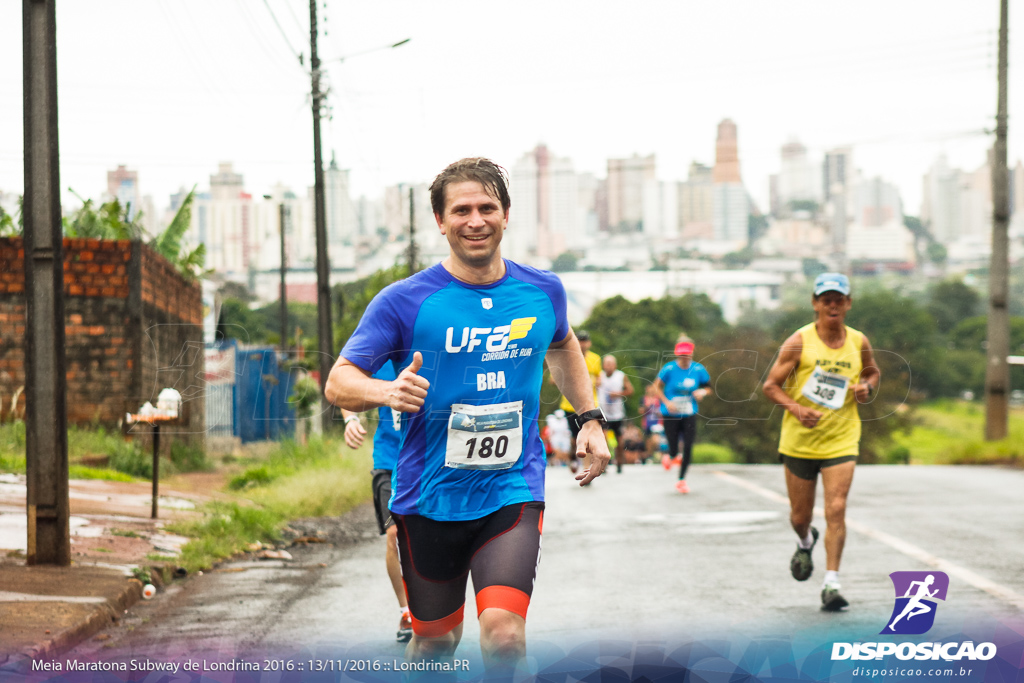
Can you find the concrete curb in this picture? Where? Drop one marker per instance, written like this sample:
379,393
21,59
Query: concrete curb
96,620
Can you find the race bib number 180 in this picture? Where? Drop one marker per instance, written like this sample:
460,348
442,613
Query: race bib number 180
485,437
827,389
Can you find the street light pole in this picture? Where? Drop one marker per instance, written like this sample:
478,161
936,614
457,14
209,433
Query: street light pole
323,285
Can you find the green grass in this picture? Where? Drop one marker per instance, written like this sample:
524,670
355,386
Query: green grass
322,478
712,453
952,432
125,460
104,473
225,529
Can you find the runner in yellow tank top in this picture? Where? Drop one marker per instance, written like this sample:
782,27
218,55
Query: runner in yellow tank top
821,373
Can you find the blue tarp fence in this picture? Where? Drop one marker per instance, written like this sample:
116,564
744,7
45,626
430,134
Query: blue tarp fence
248,392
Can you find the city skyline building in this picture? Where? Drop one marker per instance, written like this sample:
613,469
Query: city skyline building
341,215
123,185
547,217
625,187
697,204
731,206
799,179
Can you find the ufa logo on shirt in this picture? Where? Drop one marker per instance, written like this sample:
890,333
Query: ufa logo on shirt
494,339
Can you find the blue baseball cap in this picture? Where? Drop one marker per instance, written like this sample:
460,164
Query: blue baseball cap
832,282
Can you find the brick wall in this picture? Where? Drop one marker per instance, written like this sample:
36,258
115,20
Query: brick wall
133,327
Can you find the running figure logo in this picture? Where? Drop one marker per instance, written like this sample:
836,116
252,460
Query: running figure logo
916,592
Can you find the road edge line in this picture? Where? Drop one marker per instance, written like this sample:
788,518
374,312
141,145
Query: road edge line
909,549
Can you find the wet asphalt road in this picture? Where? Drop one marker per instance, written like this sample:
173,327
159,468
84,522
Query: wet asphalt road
629,558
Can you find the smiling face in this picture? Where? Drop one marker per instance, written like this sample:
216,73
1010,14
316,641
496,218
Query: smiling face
831,308
474,223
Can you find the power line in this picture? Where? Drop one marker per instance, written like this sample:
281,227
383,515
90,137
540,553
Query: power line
281,29
302,29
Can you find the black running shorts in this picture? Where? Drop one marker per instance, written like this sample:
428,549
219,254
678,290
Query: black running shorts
808,468
381,483
502,551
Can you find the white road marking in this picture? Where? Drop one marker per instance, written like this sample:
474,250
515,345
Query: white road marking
964,574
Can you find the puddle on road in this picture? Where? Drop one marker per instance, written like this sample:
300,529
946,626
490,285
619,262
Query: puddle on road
726,522
13,531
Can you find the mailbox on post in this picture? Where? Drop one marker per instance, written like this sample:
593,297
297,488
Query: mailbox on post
169,410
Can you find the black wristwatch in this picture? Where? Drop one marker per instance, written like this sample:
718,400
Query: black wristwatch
584,418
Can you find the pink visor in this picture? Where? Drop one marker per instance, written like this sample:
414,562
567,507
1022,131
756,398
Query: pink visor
684,348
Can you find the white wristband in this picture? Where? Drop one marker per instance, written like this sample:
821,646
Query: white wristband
350,418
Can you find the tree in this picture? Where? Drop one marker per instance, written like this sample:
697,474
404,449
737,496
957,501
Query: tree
9,225
808,205
354,297
757,225
169,243
642,335
109,221
564,262
936,253
951,301
738,259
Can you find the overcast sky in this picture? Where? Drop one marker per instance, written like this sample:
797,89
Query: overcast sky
172,87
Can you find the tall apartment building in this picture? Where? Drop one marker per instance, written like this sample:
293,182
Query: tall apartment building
875,202
730,205
956,203
837,180
836,171
876,230
661,210
799,179
626,181
546,217
697,204
341,214
123,185
396,216
222,220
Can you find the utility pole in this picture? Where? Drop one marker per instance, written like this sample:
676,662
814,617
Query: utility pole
412,230
997,372
323,274
283,212
46,419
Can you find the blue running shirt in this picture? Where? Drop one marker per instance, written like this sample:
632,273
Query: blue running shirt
680,384
388,437
481,345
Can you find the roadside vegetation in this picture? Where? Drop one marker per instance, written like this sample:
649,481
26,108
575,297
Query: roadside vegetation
99,453
951,432
292,481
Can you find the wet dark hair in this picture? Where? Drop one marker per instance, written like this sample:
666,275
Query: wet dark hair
484,171
582,335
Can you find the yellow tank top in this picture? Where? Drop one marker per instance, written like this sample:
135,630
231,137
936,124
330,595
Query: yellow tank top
594,370
838,431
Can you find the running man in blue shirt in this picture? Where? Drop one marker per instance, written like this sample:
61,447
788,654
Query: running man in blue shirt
386,441
469,338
